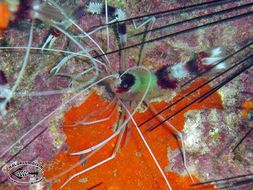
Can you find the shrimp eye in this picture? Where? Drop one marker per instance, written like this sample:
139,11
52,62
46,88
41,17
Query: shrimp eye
127,81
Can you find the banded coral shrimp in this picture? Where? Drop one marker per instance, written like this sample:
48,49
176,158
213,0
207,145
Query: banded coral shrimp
46,67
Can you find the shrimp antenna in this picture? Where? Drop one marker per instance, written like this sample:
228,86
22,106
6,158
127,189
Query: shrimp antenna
78,54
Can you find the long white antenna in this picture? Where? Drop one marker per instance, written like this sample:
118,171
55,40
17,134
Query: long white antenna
22,70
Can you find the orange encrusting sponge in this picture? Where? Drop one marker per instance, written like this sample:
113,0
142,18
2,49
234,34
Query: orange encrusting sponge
247,106
133,167
4,15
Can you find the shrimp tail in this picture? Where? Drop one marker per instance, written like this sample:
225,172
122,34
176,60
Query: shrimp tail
168,77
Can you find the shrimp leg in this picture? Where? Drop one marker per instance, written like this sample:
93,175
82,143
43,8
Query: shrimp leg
106,109
149,23
111,157
177,134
